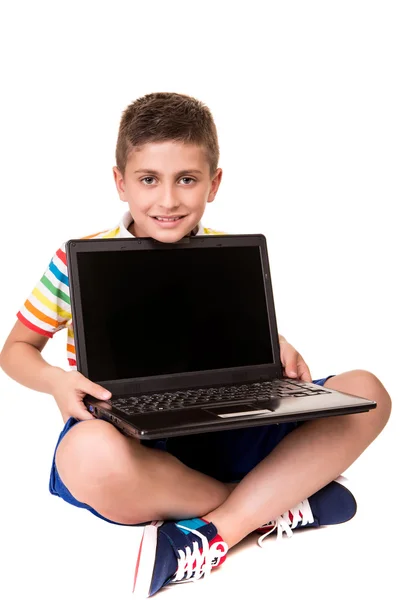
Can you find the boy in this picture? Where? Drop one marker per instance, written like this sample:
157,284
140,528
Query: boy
196,495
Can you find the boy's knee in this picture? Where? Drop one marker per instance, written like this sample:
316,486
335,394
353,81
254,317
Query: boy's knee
88,453
371,387
367,385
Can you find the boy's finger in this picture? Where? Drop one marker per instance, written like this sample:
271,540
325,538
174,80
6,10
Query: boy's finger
304,371
291,369
82,414
97,391
306,376
83,384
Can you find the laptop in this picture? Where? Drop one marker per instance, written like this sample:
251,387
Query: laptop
184,336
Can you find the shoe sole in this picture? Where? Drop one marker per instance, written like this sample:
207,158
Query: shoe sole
145,561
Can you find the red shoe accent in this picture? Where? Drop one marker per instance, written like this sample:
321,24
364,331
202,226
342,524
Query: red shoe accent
268,527
221,547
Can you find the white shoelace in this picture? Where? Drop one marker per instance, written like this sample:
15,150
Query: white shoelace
301,515
205,560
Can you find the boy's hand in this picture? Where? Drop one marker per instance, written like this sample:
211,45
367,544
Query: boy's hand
70,388
293,362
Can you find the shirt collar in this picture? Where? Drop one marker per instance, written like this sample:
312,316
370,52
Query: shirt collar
126,222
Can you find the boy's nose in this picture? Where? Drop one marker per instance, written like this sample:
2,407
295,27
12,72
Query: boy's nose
168,199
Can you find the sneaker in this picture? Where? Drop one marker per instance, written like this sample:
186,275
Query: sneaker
176,552
331,505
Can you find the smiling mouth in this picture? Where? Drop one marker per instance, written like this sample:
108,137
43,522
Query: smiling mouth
169,219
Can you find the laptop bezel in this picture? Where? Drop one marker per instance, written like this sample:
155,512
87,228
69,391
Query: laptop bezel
177,380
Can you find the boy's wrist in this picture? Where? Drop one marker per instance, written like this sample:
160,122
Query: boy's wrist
52,377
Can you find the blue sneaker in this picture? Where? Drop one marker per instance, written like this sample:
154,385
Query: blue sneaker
331,505
176,552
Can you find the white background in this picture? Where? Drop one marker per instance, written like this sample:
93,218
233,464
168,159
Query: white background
306,100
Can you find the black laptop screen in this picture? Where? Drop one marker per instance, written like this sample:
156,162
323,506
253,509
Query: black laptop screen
157,312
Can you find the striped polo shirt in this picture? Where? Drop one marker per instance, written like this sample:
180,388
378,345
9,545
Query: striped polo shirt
48,308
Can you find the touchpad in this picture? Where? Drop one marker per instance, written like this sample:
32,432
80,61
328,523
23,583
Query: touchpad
237,410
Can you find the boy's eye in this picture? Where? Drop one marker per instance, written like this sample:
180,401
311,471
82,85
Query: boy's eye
187,179
146,180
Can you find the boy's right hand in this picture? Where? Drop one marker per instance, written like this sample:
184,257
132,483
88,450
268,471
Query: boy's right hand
69,389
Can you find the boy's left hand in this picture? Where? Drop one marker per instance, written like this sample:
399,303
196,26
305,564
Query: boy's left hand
294,364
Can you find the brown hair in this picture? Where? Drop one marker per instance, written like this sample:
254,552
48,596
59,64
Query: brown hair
163,116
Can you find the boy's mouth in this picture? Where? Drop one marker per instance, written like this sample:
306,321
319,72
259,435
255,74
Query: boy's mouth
168,221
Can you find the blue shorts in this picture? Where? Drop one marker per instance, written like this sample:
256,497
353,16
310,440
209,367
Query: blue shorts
225,455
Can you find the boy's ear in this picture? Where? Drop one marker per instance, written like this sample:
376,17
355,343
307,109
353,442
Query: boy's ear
119,183
216,180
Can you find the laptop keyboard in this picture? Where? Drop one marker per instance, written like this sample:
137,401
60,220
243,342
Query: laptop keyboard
198,397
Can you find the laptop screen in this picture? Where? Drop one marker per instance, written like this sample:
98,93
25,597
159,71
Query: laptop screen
156,312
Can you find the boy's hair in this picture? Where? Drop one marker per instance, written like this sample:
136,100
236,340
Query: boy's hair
165,116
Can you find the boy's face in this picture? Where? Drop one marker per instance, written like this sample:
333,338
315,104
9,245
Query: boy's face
167,186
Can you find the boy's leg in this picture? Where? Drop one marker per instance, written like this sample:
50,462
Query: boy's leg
129,483
307,459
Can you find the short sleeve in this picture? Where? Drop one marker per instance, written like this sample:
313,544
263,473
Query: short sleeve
48,308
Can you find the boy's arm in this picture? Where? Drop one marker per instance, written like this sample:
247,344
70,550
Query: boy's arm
21,359
46,311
